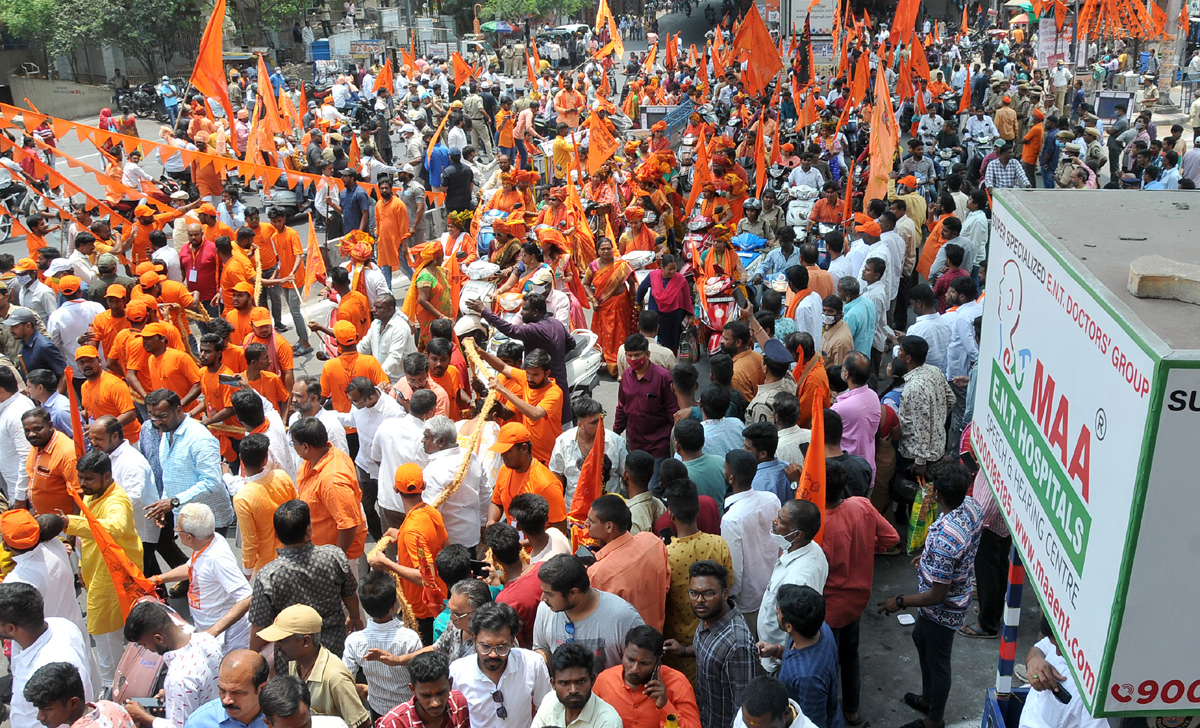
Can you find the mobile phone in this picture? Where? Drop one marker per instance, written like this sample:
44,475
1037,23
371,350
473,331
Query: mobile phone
585,555
479,568
740,298
231,380
1061,695
968,459
152,706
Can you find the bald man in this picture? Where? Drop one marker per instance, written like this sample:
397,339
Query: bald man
242,675
201,267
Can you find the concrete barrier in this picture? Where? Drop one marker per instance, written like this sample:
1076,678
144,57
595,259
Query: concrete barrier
63,99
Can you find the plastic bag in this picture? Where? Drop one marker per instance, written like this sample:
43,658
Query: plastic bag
924,511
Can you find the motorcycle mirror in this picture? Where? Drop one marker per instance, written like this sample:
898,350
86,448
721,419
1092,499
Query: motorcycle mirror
661,239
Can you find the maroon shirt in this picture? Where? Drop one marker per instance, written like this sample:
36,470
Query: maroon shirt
524,594
200,269
646,408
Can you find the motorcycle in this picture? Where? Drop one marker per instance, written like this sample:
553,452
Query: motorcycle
803,198
639,260
816,236
945,159
750,249
145,102
978,147
697,240
719,309
289,199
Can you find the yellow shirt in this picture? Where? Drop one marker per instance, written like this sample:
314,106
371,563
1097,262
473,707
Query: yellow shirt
681,621
563,156
115,513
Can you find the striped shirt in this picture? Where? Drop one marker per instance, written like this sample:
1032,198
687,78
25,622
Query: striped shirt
405,714
387,686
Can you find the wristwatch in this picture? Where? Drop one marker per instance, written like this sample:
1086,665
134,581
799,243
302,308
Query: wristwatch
900,601
174,502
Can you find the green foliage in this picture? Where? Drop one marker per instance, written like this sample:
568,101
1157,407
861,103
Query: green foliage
514,10
30,21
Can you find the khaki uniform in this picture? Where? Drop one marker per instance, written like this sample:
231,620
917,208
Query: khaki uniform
481,136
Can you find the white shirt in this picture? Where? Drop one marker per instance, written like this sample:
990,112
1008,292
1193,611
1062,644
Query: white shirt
367,421
14,448
191,678
595,714
279,448
790,440
801,720
341,95
882,251
170,258
133,175
976,228
897,248
464,512
389,343
82,267
877,294
398,441
962,351
373,281
372,168
808,317
841,267
133,473
217,585
857,253
981,127
61,642
39,298
812,178
806,566
333,427
456,137
746,526
524,683
1043,710
566,459
936,333
71,321
558,544
47,568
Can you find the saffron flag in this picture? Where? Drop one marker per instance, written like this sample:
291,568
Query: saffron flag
590,487
760,155
882,145
602,16
964,102
385,79
701,174
355,153
437,133
776,157
270,110
601,144
648,63
76,418
812,478
462,69
208,75
407,59
314,266
531,76
754,41
964,28
127,577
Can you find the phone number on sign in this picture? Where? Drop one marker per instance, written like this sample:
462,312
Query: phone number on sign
1149,691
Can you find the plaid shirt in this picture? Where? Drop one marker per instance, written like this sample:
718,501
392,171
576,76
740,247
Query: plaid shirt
405,714
726,659
1000,176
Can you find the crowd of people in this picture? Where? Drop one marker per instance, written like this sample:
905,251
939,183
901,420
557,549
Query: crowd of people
425,528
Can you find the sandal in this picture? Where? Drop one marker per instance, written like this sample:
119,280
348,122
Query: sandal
919,703
974,630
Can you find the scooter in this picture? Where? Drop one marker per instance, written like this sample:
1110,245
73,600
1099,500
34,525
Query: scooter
803,198
639,260
945,159
583,363
816,236
750,251
483,241
719,309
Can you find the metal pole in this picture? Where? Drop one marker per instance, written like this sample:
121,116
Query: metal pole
1008,631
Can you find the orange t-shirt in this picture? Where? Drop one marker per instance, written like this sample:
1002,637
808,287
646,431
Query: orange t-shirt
504,124
234,272
106,327
391,219
33,242
450,383
109,395
217,229
288,250
420,539
270,386
330,488
234,357
546,430
241,323
337,373
355,309
140,250
207,180
283,350
175,371
217,397
537,479
52,473
264,239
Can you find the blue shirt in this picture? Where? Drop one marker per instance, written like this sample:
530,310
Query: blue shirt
772,478
859,315
41,353
1155,185
775,262
811,677
212,715
60,412
277,81
437,160
355,205
191,469
723,435
169,93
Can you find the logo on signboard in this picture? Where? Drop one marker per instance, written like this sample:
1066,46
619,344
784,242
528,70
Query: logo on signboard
1008,311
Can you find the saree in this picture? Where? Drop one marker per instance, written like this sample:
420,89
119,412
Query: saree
435,279
463,244
613,318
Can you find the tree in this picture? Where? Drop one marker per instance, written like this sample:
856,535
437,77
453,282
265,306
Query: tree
515,9
252,15
34,22
149,30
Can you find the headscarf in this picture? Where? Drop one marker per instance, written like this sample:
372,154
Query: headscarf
425,256
106,122
461,219
558,193
635,213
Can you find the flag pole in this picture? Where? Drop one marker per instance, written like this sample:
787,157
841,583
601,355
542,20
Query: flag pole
182,105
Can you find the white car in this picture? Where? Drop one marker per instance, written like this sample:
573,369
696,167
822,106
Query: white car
575,28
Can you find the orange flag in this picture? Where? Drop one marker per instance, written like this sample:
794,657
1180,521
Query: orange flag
812,478
270,110
462,69
386,78
602,15
754,40
882,144
601,144
760,156
208,75
437,133
964,103
718,65
776,156
648,63
531,77
615,33
355,153
1184,22
407,59
127,576
920,63
76,418
701,175
591,486
288,110
963,28
314,266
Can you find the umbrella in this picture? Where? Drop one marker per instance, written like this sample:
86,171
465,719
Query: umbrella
497,26
1022,18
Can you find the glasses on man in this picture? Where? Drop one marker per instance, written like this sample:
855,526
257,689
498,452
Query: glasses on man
498,698
705,595
486,649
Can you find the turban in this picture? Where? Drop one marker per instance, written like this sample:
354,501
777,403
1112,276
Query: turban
558,193
428,251
358,246
1039,114
461,219
659,126
634,212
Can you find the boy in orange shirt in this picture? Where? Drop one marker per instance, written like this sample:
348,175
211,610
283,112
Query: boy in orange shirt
439,351
263,381
217,408
539,403
170,368
523,473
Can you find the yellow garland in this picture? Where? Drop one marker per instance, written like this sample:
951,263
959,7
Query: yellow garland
473,357
405,608
183,329
257,275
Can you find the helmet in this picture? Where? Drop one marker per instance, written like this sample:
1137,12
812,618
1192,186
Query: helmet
752,203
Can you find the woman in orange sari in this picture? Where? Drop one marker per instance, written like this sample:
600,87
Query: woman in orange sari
459,248
611,285
428,298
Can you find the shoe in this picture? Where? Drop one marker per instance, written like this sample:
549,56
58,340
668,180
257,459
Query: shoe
180,589
302,350
282,328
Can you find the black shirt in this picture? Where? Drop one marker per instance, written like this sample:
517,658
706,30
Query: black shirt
858,473
457,179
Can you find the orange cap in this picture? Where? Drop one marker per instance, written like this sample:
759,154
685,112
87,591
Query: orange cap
158,328
869,228
142,211
409,479
260,316
20,529
345,333
908,181
86,352
25,264
513,433
116,290
149,279
207,209
69,284
136,311
244,287
142,267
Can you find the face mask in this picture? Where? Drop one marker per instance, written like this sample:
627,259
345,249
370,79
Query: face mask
1139,126
783,542
827,320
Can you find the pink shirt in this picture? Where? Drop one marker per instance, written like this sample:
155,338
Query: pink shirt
634,567
524,125
859,409
854,533
201,269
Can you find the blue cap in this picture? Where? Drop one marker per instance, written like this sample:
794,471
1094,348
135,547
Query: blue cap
455,152
776,351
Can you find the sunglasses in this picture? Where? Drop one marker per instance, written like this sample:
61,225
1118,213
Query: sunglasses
501,711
